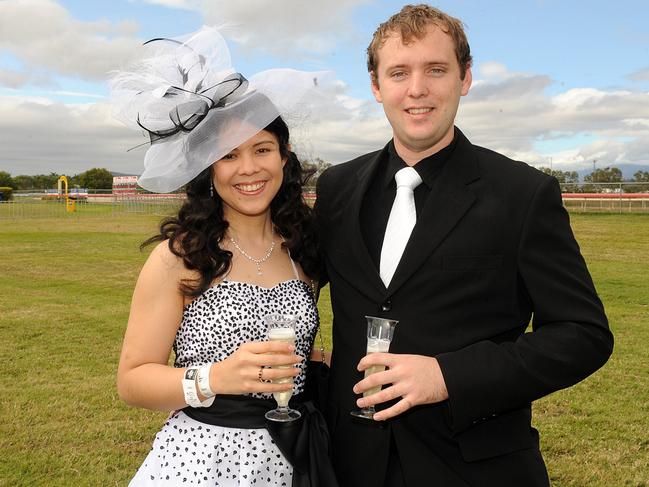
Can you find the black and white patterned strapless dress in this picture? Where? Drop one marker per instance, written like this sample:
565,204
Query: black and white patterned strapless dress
214,325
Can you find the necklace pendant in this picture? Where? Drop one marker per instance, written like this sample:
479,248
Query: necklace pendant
257,262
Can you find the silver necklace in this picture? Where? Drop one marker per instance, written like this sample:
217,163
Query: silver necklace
252,259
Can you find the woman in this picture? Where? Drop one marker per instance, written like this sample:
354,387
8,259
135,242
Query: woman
242,246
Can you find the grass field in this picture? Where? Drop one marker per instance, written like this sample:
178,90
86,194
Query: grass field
65,287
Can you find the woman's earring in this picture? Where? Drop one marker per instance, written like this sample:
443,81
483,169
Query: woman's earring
211,189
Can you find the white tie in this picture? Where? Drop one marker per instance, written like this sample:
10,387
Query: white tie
403,217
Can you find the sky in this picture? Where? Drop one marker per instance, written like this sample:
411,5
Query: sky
556,83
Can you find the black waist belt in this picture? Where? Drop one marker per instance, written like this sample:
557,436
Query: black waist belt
304,442
232,411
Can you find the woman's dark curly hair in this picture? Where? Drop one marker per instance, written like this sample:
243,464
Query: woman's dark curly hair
194,234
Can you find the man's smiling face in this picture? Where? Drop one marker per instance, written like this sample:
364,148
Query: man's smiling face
420,85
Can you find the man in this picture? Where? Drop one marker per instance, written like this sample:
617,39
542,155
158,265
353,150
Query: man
491,248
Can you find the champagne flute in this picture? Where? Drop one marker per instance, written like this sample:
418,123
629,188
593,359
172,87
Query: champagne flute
379,336
282,328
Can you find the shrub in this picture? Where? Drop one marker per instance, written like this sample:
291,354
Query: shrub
6,193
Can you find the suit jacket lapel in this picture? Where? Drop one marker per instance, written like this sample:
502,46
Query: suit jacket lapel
445,206
367,277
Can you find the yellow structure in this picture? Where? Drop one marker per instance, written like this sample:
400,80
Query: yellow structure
70,204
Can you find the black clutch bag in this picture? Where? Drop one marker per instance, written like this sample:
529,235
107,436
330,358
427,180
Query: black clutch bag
317,382
317,371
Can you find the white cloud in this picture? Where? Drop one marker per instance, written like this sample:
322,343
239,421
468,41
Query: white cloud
284,27
39,136
42,35
347,129
642,75
13,79
75,94
493,70
511,112
179,4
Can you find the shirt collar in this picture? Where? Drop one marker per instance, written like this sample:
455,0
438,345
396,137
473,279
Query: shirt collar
428,167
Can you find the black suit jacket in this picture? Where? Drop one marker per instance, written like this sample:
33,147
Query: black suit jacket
492,249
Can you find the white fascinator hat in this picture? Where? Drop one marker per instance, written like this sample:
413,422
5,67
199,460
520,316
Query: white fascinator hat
195,108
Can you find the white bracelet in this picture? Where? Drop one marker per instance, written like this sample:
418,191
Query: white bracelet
204,381
189,387
190,390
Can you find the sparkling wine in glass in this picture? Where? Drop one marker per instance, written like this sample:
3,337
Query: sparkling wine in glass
282,328
379,336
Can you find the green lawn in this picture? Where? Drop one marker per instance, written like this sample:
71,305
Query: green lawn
65,287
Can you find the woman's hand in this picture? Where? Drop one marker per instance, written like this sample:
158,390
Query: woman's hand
239,373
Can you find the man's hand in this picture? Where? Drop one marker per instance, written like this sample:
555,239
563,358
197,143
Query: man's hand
416,379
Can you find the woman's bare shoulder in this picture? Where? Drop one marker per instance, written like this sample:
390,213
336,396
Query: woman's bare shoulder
164,263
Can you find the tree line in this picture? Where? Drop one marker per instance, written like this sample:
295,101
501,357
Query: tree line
96,178
100,178
596,180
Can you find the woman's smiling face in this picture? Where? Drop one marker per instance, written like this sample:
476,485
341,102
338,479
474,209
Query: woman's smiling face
248,178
